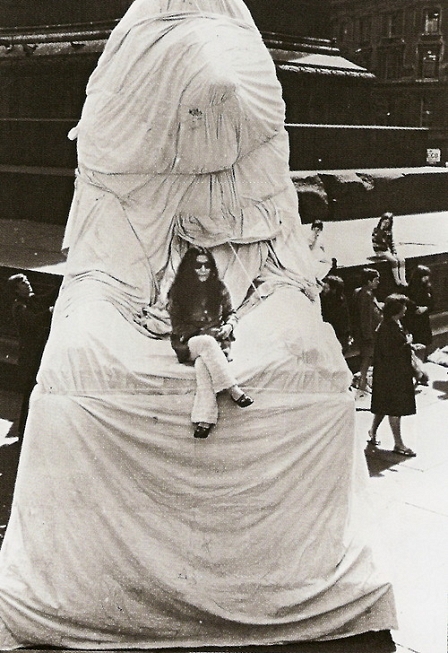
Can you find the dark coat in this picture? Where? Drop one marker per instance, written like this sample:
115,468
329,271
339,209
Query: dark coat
200,321
393,386
419,325
366,315
32,317
335,311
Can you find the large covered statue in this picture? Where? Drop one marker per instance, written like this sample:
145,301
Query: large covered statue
125,531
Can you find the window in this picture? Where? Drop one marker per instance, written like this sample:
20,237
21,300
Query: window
429,63
392,24
431,20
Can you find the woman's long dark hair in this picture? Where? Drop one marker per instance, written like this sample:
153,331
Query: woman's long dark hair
186,289
386,216
336,285
415,282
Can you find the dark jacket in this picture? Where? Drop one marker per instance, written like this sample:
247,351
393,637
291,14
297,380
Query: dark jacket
419,325
335,311
200,320
392,385
366,315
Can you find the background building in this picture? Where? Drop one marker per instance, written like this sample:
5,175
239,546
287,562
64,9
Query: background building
48,48
403,42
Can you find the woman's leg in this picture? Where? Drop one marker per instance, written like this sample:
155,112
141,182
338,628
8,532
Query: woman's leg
377,419
395,425
205,407
212,376
400,447
366,360
393,260
402,271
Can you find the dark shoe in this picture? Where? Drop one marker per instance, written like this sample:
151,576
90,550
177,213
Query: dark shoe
202,431
404,451
244,401
373,441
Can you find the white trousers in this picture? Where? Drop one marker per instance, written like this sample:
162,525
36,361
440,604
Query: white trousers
212,376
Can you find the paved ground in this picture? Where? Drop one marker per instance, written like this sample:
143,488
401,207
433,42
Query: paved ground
410,500
408,503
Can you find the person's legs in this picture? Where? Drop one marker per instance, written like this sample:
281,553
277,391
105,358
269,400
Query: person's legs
388,256
214,359
366,354
395,425
363,369
212,376
205,407
377,419
402,271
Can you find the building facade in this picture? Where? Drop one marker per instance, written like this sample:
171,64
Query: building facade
48,49
404,43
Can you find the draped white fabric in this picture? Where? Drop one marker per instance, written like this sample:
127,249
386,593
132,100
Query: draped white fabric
125,531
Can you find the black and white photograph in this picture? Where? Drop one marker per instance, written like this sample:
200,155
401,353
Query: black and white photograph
224,326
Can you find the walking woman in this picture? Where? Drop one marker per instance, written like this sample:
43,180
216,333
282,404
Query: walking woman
384,247
393,387
420,305
202,321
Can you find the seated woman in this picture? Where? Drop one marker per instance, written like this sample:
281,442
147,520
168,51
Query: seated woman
384,247
202,321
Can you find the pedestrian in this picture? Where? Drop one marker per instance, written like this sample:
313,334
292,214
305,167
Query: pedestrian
367,316
202,321
32,316
393,386
334,308
322,264
384,247
421,302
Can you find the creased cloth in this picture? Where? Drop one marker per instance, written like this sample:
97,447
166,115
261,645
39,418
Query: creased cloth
125,531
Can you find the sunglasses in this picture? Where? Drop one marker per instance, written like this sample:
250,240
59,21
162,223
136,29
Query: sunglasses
198,266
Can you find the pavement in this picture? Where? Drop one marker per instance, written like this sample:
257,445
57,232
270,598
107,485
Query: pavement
421,234
408,501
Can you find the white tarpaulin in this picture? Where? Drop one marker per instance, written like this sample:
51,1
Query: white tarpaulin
126,532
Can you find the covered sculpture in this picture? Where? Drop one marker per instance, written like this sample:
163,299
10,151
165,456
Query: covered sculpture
125,531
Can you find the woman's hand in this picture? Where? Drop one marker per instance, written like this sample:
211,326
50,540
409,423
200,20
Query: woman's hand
225,331
420,310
